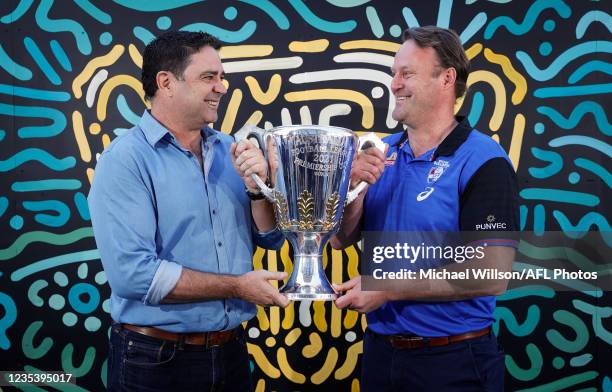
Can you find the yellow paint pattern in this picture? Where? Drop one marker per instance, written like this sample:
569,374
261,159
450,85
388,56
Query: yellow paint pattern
517,140
328,367
355,385
283,363
90,175
231,112
262,317
135,55
255,118
293,336
261,385
473,51
314,46
313,348
262,362
289,316
94,128
79,135
367,120
270,341
499,111
336,277
352,355
105,140
257,92
108,88
241,51
519,81
351,317
371,44
92,66
274,310
319,315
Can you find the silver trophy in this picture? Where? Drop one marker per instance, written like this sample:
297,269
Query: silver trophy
310,169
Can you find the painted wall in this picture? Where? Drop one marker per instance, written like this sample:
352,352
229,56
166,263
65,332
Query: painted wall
69,84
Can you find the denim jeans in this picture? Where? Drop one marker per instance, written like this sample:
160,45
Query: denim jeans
140,363
470,365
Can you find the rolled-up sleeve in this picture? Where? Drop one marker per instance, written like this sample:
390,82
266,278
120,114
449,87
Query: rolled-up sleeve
124,223
272,239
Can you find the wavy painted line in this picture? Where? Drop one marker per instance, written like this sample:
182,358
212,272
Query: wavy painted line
365,57
531,16
57,261
275,310
563,59
67,360
555,166
45,237
527,291
577,114
80,137
155,5
34,290
45,185
535,361
505,315
61,25
473,27
4,203
110,85
7,320
596,169
31,350
62,210
333,110
262,65
15,70
54,129
374,21
313,46
60,55
519,81
144,35
336,277
321,24
561,253
80,201
349,365
476,108
288,372
241,51
38,155
348,3
126,112
242,34
590,17
516,143
94,11
598,313
272,10
91,67
587,68
258,94
95,83
411,20
2,134
326,370
304,313
444,13
232,111
499,111
135,55
539,219
580,140
18,12
314,347
367,119
523,213
581,360
34,93
573,91
578,328
319,308
584,225
371,44
559,196
379,77
563,383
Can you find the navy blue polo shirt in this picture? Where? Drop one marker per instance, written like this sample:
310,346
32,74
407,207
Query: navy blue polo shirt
458,186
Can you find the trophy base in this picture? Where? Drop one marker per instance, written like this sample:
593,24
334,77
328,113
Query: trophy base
312,297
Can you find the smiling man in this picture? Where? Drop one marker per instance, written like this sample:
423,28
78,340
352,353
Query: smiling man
175,230
440,175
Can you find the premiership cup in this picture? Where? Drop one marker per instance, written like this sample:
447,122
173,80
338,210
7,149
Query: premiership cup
310,169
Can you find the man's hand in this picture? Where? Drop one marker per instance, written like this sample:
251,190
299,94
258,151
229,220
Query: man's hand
255,287
249,159
368,166
355,299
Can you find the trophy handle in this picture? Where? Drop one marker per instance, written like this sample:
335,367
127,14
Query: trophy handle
249,132
366,141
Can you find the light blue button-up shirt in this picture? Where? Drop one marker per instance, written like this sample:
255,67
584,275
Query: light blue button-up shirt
154,211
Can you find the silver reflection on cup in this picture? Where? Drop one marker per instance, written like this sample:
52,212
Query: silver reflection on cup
310,169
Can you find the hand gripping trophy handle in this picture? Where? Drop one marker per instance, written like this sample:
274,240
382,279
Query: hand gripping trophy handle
366,141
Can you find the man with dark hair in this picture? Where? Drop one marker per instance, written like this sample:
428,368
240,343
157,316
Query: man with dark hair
175,231
440,175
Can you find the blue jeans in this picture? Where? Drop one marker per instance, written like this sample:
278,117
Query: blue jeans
471,365
141,363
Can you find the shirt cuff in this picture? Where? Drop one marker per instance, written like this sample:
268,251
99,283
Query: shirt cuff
166,276
272,239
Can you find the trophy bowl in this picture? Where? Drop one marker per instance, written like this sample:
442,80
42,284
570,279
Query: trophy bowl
310,169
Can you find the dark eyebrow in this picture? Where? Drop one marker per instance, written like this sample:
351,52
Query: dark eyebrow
211,72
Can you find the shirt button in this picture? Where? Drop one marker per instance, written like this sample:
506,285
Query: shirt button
219,243
214,212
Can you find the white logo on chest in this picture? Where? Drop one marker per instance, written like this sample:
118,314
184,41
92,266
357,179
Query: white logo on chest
425,194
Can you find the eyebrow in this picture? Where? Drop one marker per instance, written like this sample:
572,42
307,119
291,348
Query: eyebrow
211,72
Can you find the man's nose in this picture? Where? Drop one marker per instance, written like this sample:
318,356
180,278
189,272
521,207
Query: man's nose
396,83
220,88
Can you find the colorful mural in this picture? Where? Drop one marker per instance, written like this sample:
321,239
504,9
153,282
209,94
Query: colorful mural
69,84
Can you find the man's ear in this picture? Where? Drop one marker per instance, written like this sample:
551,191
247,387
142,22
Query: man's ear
449,77
165,81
